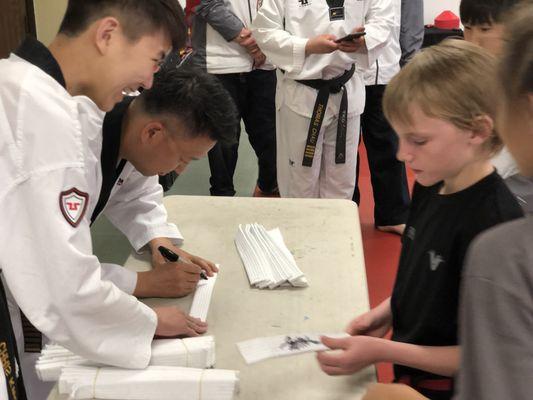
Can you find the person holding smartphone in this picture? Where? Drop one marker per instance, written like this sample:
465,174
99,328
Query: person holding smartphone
320,94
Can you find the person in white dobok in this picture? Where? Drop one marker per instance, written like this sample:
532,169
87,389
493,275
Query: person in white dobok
321,93
104,47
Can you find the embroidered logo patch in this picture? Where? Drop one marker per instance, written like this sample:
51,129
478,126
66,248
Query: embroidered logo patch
73,204
434,260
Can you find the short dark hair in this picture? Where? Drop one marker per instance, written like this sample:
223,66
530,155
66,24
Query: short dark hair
479,12
138,17
196,99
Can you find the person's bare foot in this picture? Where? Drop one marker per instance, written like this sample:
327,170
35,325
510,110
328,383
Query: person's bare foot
259,193
397,229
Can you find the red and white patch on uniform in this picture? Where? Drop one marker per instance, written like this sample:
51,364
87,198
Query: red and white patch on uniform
73,204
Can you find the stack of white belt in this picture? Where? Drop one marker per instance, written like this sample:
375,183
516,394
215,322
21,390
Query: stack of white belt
267,260
152,383
198,352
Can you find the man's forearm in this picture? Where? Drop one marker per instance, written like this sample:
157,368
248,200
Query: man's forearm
154,244
220,17
145,285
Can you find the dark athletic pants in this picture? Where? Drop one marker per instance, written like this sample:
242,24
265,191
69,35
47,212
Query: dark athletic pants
388,176
253,93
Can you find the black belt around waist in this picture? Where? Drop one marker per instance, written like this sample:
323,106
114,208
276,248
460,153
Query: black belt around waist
9,360
325,88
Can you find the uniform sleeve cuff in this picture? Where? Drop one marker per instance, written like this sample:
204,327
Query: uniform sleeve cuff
298,53
374,46
169,231
121,277
141,359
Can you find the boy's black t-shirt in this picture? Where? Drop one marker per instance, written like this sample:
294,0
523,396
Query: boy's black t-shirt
438,232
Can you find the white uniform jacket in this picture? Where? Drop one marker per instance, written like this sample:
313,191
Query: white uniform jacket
505,164
283,27
388,63
47,259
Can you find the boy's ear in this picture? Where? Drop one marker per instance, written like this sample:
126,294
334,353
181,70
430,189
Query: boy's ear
106,29
152,132
482,129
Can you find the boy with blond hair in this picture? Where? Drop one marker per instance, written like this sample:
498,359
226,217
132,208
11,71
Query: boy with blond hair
441,106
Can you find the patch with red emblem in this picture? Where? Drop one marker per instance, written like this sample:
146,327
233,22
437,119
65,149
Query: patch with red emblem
73,204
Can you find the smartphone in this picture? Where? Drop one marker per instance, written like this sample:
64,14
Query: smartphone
350,37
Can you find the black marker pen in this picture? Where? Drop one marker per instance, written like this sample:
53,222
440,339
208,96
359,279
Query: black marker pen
169,255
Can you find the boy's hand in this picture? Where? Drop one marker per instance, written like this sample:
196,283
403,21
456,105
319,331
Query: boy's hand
172,322
355,44
322,44
369,324
357,352
376,322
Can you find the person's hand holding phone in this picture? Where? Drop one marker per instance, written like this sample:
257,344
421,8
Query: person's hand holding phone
353,42
321,44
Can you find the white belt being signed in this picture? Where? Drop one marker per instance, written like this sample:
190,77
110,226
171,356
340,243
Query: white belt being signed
260,349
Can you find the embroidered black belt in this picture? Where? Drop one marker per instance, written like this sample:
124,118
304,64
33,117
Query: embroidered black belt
9,362
325,88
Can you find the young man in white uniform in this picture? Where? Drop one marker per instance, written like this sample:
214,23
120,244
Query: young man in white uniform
104,48
320,95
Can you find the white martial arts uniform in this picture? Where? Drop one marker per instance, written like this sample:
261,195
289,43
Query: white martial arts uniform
388,63
3,388
282,29
49,146
505,164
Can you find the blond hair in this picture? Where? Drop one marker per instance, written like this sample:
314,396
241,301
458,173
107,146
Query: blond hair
453,81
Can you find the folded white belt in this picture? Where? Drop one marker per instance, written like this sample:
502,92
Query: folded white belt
197,352
152,383
267,260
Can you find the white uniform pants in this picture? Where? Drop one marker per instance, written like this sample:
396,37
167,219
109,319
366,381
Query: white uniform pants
324,179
